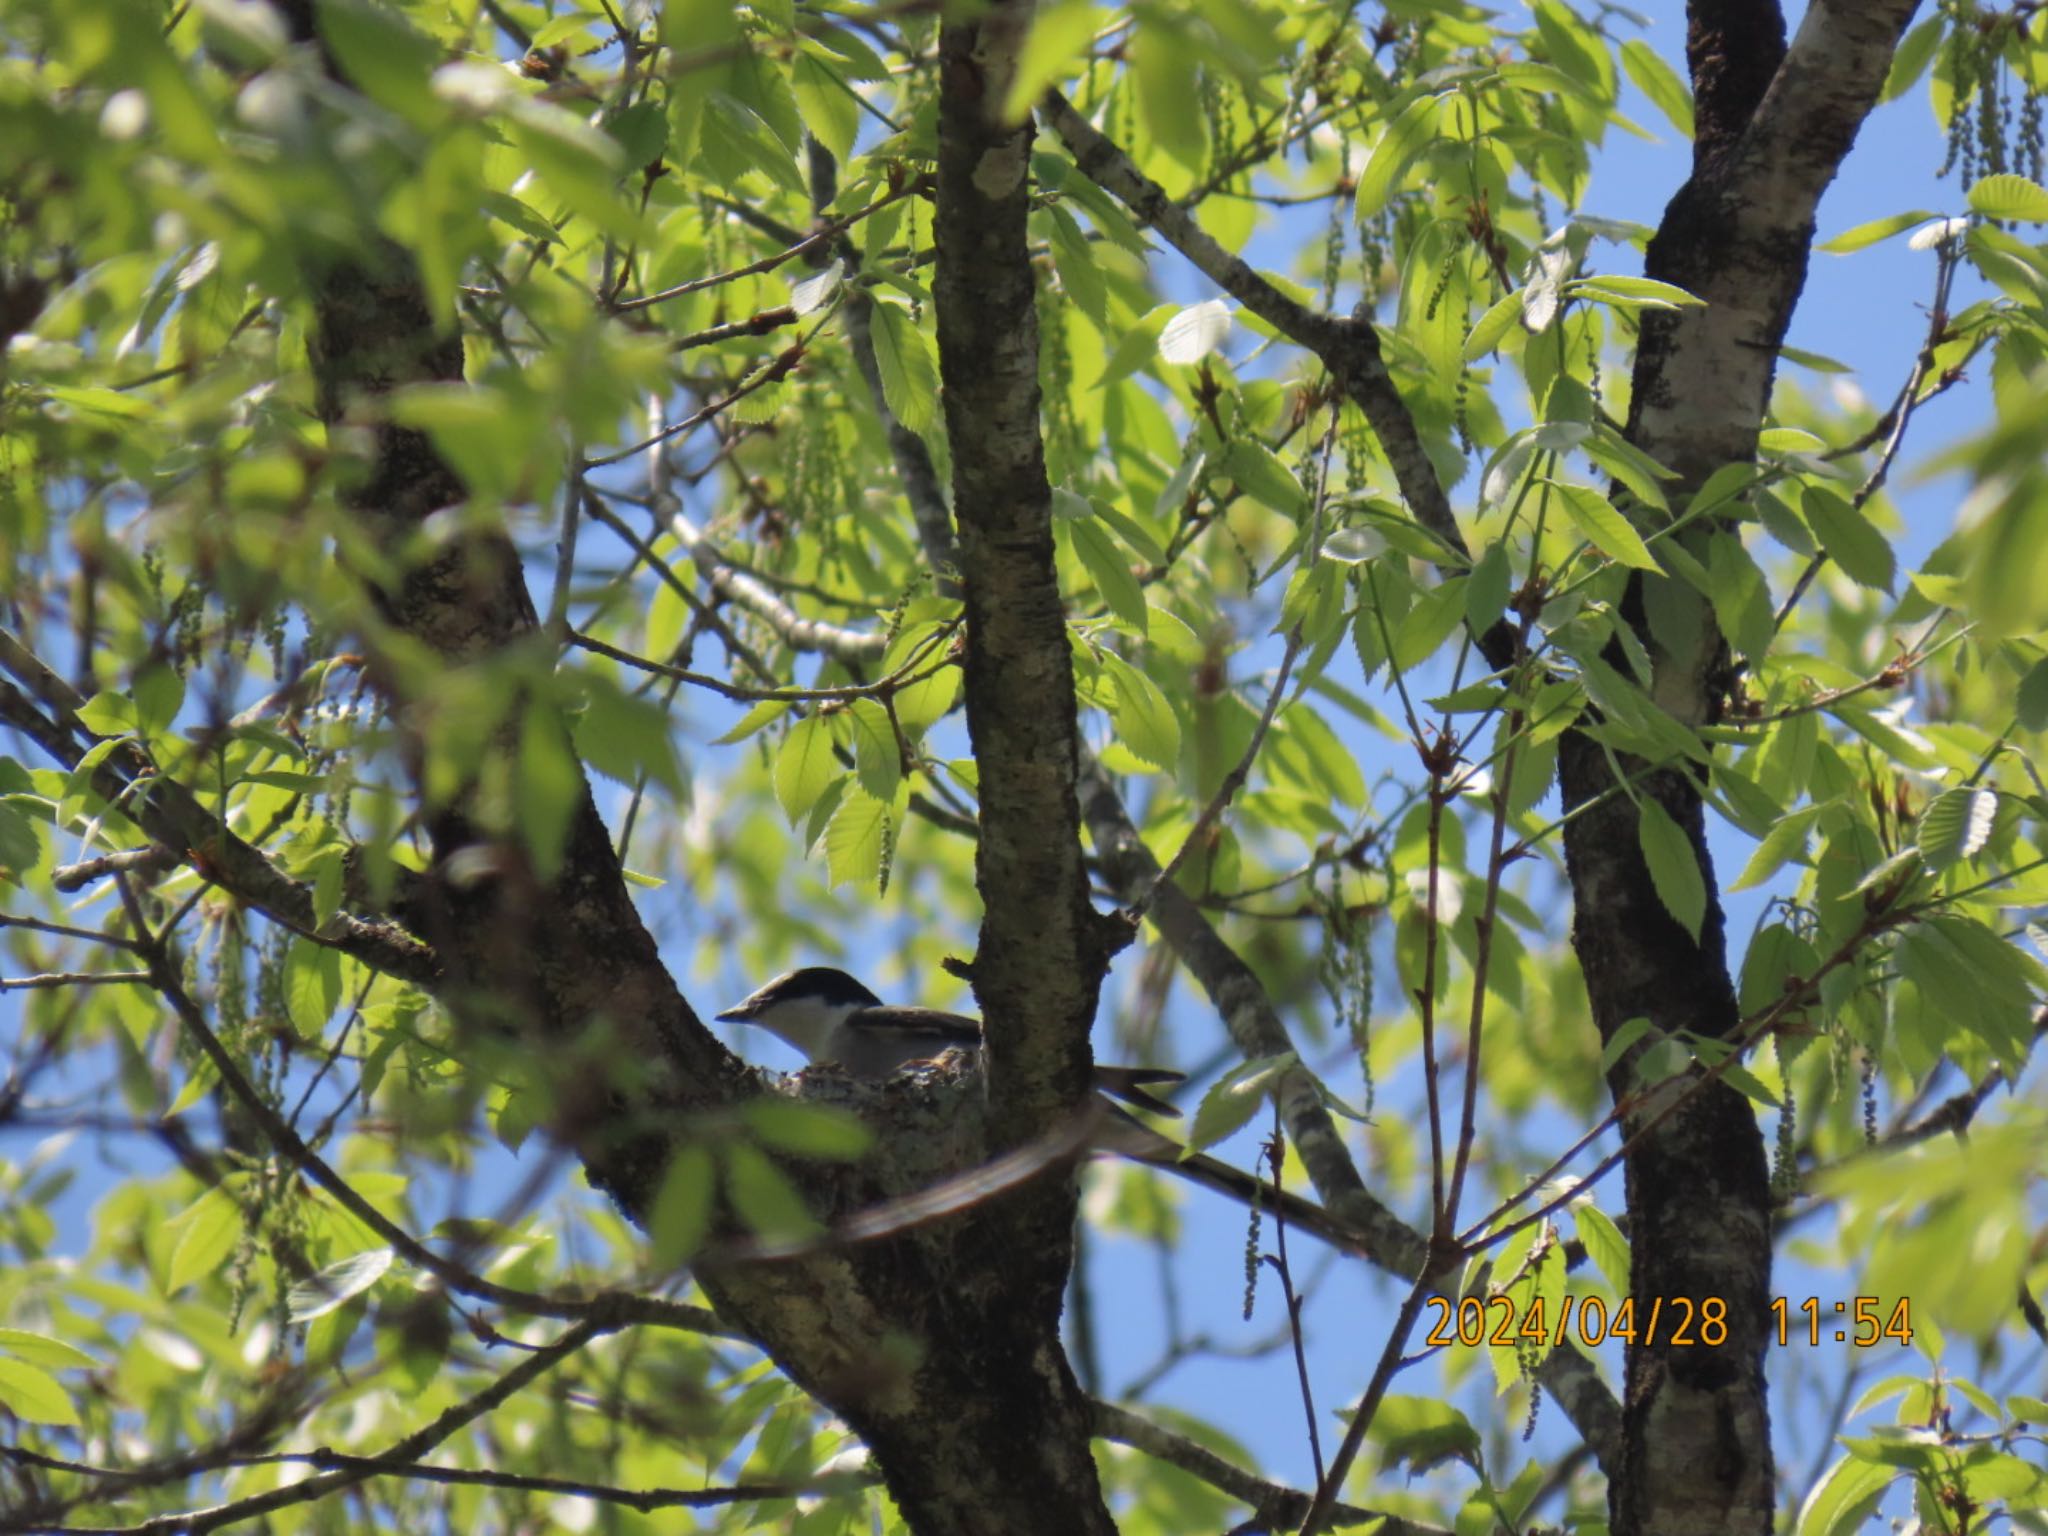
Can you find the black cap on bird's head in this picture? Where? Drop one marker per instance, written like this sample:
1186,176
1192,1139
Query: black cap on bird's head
821,985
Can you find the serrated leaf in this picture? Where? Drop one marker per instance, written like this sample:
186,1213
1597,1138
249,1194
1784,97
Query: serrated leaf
829,108
1785,840
1140,714
1229,1105
335,1284
877,756
1863,553
2006,196
857,838
804,766
903,357
1955,826
1605,1245
1603,526
1195,332
1674,867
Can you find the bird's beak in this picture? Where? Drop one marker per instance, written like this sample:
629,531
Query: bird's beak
740,1013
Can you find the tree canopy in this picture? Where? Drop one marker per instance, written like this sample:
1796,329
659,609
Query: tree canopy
520,521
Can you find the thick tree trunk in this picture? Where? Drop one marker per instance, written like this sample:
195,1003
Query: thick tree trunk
1773,126
939,1345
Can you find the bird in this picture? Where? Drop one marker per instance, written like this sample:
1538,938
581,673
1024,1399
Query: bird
830,1017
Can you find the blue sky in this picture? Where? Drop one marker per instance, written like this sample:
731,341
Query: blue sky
1859,309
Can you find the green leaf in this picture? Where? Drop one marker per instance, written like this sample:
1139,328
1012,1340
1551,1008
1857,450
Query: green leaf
312,985
1162,61
1742,603
1658,81
1486,593
41,1349
109,714
1785,840
2032,697
1632,292
34,1395
550,788
208,1230
1604,526
159,695
1303,735
877,755
623,736
1846,1498
830,110
681,1217
1491,327
335,1284
756,719
1420,1434
1405,138
2006,196
1674,867
1605,1245
824,1131
1138,346
1628,464
1909,59
1856,238
1260,474
1060,35
1140,714
1618,1043
1229,1105
858,838
903,357
1955,826
804,766
1863,553
1080,273
767,1202
1109,570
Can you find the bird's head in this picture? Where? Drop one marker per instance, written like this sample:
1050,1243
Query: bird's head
803,1007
